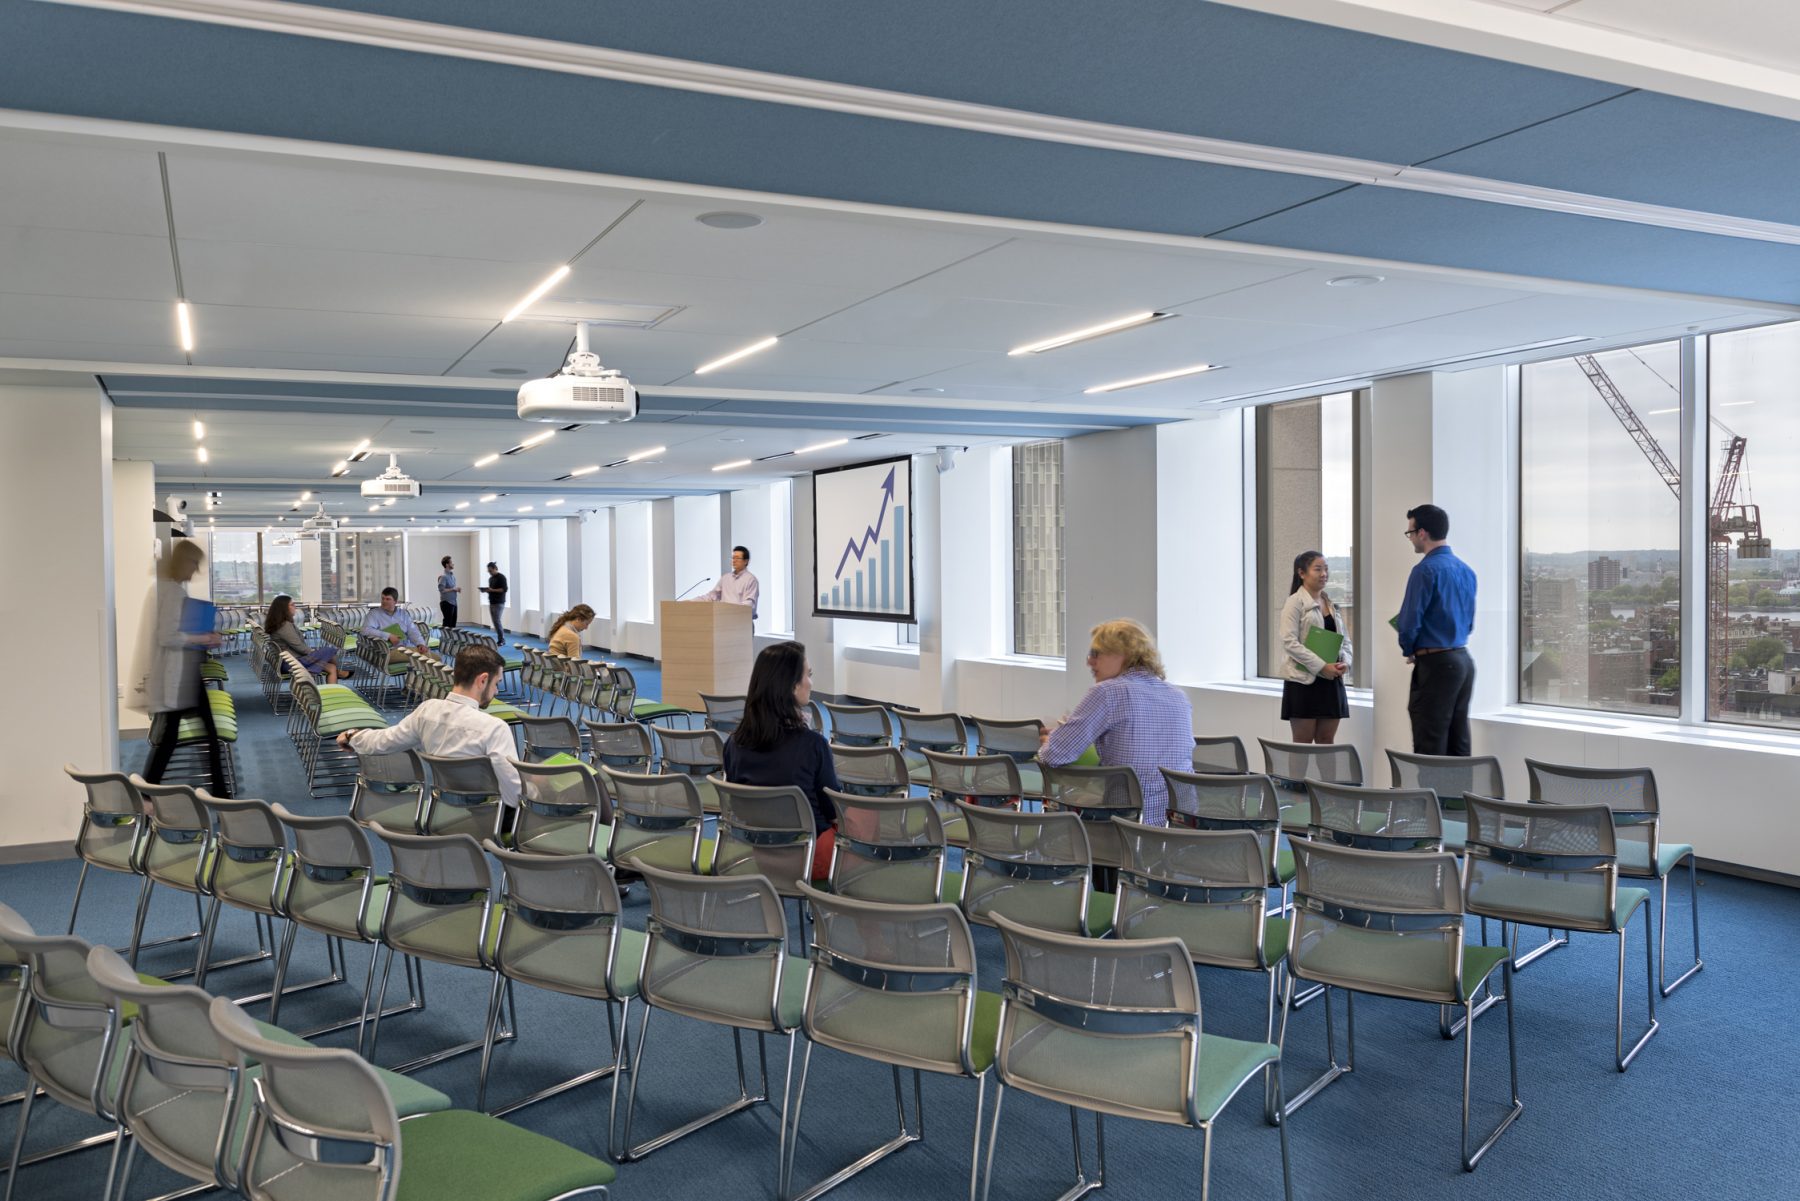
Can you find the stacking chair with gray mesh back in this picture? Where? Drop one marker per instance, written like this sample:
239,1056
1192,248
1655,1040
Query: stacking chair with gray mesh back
1375,819
941,732
766,832
988,781
1032,867
1450,776
723,713
1018,741
697,754
563,810
64,1033
657,822
814,717
462,796
624,746
1630,794
895,984
871,770
1292,764
560,930
1557,866
627,706
1113,1027
860,725
716,953
323,1125
112,834
1233,802
178,851
1221,754
1390,924
249,855
331,889
389,790
888,849
1097,795
544,737
1205,887
439,908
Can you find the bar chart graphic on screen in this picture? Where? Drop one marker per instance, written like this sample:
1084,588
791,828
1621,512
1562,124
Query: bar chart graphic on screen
862,558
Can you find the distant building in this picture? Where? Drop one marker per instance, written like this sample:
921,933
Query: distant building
1614,675
1604,574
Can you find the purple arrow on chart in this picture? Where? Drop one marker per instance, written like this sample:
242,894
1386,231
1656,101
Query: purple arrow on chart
870,533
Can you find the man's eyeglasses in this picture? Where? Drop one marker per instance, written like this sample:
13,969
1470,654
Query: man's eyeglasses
1410,533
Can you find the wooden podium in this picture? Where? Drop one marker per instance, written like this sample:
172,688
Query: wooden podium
706,648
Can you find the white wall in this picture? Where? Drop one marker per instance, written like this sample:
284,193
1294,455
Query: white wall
527,582
595,532
424,553
553,562
134,583
701,553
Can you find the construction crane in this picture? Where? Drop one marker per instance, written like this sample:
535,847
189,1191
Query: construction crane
1725,518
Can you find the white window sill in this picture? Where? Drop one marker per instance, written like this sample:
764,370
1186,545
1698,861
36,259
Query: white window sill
1661,729
1038,662
883,656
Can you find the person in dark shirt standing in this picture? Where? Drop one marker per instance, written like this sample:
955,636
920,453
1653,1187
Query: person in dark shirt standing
496,594
773,747
1434,624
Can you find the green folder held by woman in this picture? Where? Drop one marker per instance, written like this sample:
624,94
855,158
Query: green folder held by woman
1324,643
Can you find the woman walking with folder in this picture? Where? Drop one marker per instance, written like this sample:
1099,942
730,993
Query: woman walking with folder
1316,654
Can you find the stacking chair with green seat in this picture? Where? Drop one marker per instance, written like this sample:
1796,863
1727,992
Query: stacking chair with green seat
1207,888
1018,741
1233,802
1630,793
871,770
889,849
657,822
717,953
1292,764
389,790
1557,866
1113,1027
894,984
814,717
439,908
628,707
327,765
563,809
1221,754
723,713
560,930
249,855
1032,867
1375,819
546,736
112,834
941,732
1097,795
860,725
1390,924
332,889
624,746
462,796
766,832
323,1126
1450,776
181,1094
987,781
178,852
697,754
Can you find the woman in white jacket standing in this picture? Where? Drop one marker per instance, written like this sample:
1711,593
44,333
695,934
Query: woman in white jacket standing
1313,699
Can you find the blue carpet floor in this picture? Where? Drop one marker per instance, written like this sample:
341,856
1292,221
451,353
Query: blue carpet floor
1708,1110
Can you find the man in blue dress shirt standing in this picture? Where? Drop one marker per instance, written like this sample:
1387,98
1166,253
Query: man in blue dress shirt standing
1434,624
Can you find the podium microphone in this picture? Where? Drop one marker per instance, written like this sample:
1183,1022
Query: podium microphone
709,579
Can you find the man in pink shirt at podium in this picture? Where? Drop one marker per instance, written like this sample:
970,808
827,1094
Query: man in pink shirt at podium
738,586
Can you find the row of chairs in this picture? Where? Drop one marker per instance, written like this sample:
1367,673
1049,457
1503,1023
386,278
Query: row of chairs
317,714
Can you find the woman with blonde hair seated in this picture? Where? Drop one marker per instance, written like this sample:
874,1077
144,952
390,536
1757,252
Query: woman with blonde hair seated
565,632
1131,716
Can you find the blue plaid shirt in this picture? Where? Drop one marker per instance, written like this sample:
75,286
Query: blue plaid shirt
1134,719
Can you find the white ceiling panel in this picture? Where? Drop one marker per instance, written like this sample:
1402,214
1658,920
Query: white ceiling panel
324,360
72,185
927,391
710,304
437,339
866,363
81,348
1307,298
341,206
974,324
796,246
1105,280
62,262
137,323
1756,31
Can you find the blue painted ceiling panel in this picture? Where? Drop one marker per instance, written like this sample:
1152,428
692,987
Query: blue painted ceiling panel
1657,149
1177,65
189,75
1452,232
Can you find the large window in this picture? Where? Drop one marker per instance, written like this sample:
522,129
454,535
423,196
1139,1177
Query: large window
1752,521
1306,500
367,563
236,564
1599,520
1037,539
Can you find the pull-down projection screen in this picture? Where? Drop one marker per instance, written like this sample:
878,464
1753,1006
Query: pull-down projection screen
862,541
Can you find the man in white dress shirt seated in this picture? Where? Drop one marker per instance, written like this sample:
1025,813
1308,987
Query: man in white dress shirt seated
455,726
737,587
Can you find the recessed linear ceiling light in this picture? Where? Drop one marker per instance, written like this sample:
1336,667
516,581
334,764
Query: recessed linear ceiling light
735,355
508,371
391,501
341,468
200,451
525,508
806,450
468,521
462,504
199,430
581,471
490,496
484,460
360,453
184,324
645,454
305,496
537,293
1354,281
1151,379
734,463
729,220
539,439
927,391
1735,404
551,504
1092,331
374,508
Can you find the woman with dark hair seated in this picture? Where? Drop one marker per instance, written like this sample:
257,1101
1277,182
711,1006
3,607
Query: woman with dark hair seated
773,747
279,625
